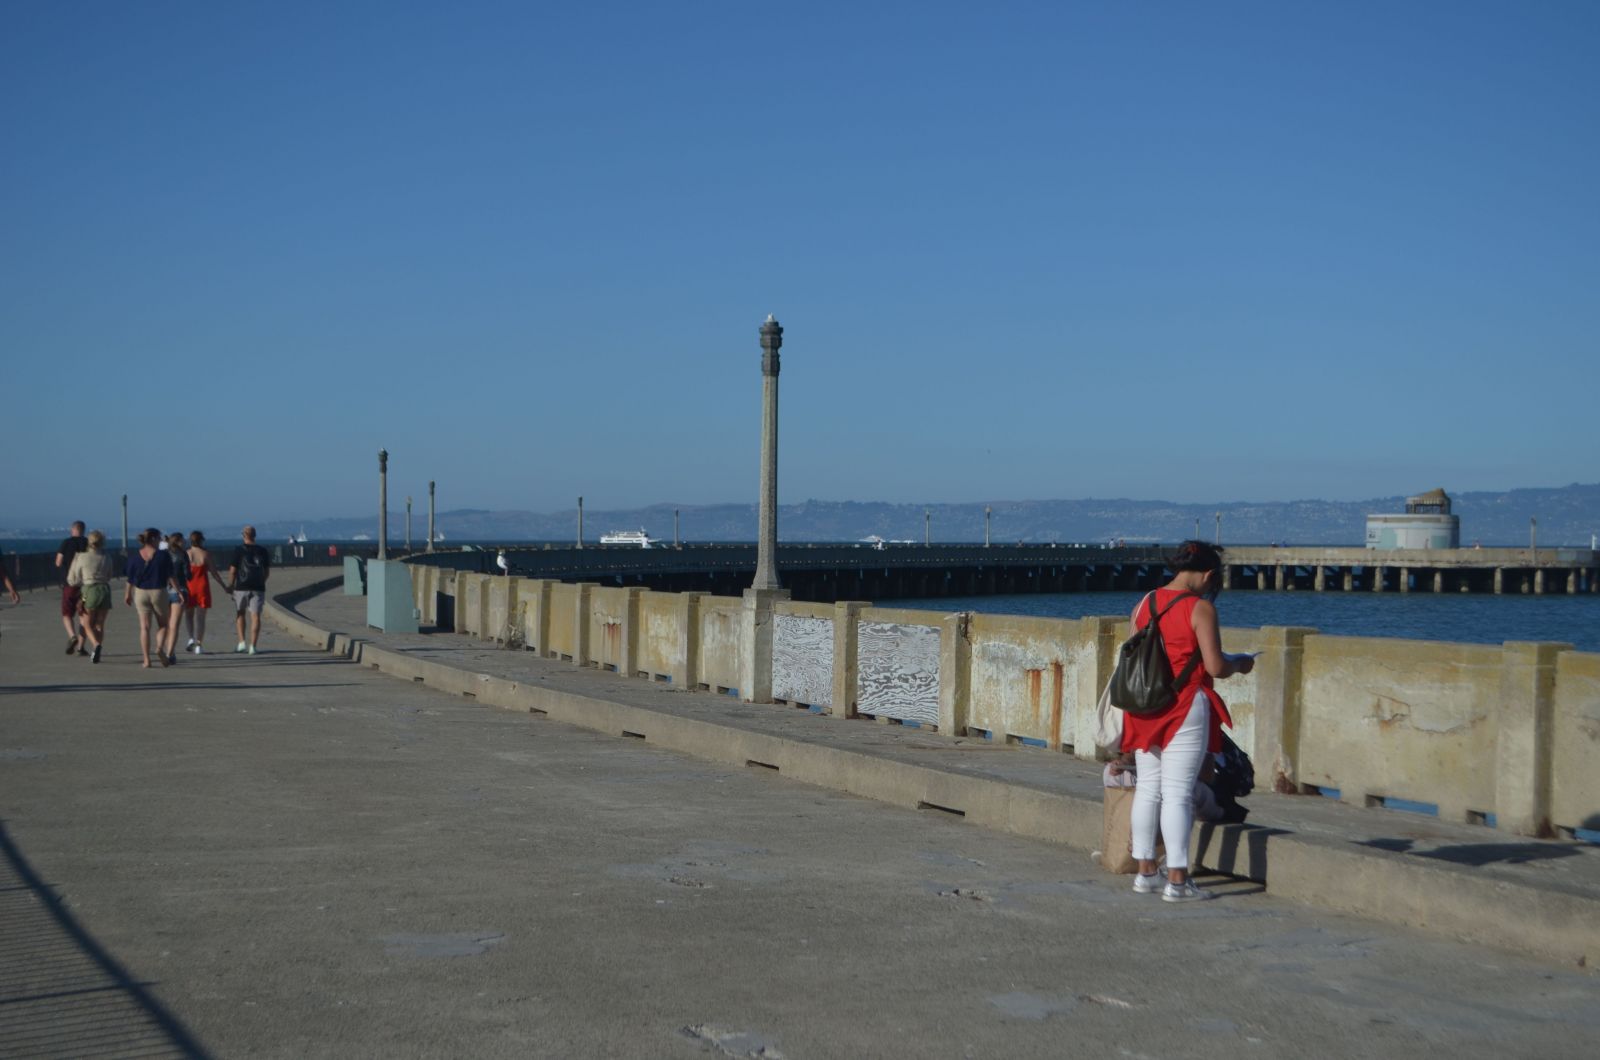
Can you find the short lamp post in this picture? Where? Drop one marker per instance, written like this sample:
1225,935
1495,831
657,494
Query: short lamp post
383,504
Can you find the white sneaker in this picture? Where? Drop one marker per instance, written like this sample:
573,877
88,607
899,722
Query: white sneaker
1150,884
242,646
189,646
1184,892
196,647
252,649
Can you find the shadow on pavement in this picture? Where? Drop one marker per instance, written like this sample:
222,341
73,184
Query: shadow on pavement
61,993
1476,854
157,686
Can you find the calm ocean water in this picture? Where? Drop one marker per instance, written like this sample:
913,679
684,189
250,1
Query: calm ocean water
1471,618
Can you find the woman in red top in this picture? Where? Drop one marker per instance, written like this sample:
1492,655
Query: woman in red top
199,593
1169,747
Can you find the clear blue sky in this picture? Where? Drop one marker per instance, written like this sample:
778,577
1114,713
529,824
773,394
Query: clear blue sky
1183,251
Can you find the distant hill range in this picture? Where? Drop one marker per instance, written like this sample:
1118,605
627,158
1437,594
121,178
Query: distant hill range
1567,516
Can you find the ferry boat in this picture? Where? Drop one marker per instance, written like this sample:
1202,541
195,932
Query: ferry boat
628,537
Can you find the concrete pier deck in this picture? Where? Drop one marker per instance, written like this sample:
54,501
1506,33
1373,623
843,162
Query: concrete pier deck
295,855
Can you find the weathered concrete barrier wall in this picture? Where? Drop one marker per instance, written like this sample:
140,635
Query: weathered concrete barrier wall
661,634
719,647
1412,720
1575,742
1506,736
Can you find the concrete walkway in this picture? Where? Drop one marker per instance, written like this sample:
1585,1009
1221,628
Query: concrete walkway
1465,881
291,855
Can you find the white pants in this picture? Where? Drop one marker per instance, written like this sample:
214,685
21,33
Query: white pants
1166,788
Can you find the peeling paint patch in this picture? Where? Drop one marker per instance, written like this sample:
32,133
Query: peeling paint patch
802,660
898,671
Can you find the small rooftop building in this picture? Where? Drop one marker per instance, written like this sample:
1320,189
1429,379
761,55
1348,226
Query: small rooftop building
1427,523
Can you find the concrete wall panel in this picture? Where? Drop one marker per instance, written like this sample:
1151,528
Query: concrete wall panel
607,615
1575,747
659,635
1401,718
1025,677
897,670
469,604
802,658
563,613
719,656
501,594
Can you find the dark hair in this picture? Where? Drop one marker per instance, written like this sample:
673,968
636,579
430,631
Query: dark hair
151,536
196,538
1196,555
79,526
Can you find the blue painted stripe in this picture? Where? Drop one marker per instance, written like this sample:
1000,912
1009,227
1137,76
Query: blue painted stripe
1329,793
985,733
1029,741
911,724
1588,835
1431,809
814,709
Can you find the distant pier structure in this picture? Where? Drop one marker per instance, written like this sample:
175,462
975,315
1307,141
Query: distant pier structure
1427,523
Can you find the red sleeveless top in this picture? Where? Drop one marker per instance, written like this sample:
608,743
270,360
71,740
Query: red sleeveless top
1155,731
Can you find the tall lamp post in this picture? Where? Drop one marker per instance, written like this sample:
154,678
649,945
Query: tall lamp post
927,528
124,524
1219,528
767,541
580,522
408,524
383,504
430,515
675,541
987,512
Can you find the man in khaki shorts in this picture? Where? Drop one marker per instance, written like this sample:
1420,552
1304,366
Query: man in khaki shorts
247,581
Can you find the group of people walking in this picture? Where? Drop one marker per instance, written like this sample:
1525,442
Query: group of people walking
168,586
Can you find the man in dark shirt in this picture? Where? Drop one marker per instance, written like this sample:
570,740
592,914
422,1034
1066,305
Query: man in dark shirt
247,581
71,594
